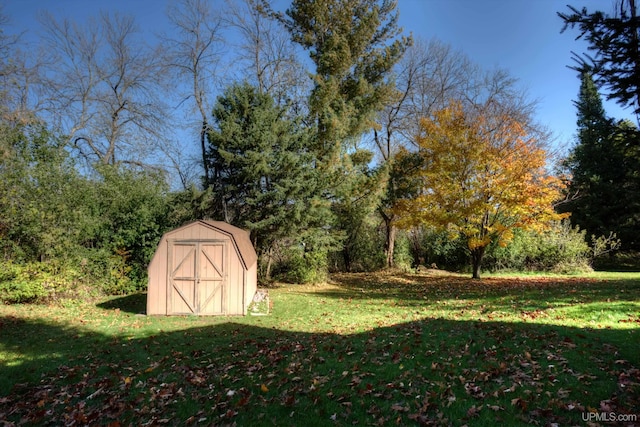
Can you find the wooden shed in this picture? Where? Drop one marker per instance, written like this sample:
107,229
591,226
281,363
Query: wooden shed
203,268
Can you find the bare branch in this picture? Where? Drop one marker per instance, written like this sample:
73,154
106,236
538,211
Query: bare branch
104,84
194,55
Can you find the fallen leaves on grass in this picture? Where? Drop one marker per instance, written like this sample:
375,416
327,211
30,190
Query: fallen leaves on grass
288,372
430,371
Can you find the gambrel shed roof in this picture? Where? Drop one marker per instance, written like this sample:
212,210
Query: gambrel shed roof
203,268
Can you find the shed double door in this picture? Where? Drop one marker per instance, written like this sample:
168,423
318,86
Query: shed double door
197,280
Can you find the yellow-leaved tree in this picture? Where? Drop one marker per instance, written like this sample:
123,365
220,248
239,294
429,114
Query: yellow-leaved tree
480,175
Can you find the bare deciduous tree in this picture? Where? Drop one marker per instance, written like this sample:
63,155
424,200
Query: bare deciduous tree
194,53
103,86
19,76
270,59
429,76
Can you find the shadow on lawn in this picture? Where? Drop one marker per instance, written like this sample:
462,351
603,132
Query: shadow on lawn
135,303
411,373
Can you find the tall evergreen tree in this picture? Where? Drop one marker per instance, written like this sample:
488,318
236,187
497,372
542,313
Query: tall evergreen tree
615,40
353,45
262,173
589,161
606,161
603,166
359,199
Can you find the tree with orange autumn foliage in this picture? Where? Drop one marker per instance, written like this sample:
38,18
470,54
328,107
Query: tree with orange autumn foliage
481,175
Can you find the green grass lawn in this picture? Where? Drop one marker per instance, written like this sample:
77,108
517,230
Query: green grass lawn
366,349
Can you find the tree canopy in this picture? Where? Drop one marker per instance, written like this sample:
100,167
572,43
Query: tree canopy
354,45
603,187
615,42
262,173
88,156
480,176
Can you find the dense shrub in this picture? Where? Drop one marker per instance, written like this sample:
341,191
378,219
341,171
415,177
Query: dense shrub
39,282
61,231
133,207
561,249
618,261
300,266
403,257
18,287
439,249
363,252
21,290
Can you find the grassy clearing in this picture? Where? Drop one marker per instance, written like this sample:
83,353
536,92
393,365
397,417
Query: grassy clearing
367,349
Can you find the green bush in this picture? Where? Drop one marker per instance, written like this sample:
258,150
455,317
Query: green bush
63,231
370,249
402,254
134,211
19,291
618,261
8,271
17,287
364,250
440,249
38,282
119,280
561,249
298,266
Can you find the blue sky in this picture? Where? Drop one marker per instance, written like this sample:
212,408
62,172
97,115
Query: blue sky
521,36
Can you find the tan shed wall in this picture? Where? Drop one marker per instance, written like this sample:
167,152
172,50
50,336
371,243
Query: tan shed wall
157,273
241,283
235,288
251,284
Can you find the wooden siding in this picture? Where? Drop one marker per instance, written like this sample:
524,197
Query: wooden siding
201,269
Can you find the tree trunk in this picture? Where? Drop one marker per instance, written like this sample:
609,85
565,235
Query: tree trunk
346,257
390,242
267,273
203,147
476,261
